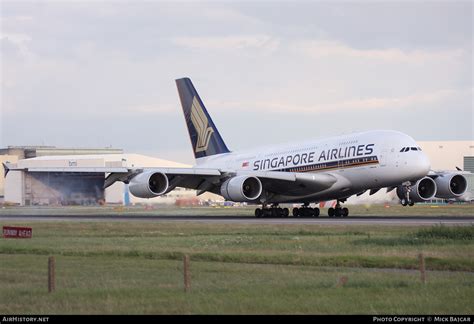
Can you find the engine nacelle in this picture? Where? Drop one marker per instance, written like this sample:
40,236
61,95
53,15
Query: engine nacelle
450,185
241,189
149,185
424,189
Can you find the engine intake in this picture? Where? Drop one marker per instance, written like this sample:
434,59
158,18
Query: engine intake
149,185
241,189
424,189
451,185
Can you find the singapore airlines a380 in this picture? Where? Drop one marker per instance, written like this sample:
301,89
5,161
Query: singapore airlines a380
305,172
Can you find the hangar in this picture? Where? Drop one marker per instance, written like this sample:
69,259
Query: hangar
67,188
28,188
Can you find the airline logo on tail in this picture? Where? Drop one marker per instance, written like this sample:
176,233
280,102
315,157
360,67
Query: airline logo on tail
200,123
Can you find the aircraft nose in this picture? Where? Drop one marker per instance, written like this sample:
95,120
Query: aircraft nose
423,164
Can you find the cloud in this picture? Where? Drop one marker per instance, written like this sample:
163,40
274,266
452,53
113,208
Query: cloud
320,49
259,42
101,63
150,109
419,100
19,41
228,16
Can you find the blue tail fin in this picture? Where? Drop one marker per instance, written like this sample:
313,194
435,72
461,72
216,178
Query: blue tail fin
205,137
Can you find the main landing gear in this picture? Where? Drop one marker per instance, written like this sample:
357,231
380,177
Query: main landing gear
273,211
338,211
306,211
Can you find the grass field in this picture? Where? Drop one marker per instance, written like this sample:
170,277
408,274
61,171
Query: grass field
136,268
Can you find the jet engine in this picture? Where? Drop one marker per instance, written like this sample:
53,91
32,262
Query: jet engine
450,185
424,189
149,185
241,189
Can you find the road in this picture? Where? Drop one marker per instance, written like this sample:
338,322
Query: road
355,220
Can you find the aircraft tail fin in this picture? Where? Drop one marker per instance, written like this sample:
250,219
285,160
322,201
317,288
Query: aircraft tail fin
205,138
6,169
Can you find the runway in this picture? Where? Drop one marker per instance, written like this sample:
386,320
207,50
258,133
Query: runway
355,220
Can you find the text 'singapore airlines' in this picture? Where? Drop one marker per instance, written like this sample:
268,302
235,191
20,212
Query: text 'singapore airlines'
349,155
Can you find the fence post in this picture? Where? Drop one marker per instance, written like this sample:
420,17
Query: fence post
342,281
187,274
51,274
421,258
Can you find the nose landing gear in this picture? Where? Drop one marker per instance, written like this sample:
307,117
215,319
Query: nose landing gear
406,200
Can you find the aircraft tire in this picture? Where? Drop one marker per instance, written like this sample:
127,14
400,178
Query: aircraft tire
345,212
296,212
331,212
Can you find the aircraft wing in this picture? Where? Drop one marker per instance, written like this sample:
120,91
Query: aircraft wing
205,179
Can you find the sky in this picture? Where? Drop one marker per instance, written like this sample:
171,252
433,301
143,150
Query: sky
101,73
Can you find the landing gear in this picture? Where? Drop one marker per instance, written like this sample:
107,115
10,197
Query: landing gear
306,211
338,211
406,201
273,211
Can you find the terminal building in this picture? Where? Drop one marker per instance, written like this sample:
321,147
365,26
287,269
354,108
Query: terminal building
68,188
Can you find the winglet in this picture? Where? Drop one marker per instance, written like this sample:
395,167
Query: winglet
6,169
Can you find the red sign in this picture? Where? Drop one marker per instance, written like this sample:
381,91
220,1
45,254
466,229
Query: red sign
17,232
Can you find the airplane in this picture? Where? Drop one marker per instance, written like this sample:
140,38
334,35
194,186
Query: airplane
306,172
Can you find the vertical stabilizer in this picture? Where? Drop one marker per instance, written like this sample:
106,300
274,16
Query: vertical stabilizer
205,138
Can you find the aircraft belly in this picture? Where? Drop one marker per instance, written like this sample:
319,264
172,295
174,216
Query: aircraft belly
340,189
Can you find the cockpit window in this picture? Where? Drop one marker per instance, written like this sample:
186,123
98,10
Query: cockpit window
406,149
419,148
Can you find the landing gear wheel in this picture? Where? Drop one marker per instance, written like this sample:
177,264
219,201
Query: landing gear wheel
296,212
338,212
411,203
345,212
404,202
331,212
286,212
316,212
258,213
